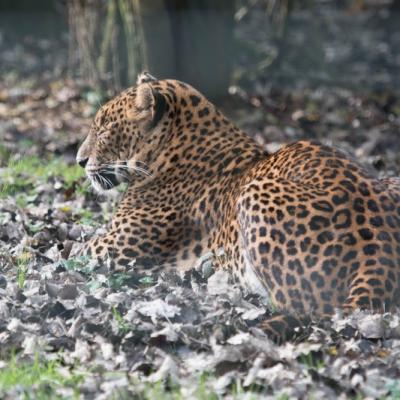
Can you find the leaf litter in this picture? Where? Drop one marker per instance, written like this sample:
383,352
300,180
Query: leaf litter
175,329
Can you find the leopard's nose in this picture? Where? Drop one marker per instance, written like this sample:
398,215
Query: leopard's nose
82,161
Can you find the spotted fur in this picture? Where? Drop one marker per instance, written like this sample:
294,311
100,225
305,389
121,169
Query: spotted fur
306,227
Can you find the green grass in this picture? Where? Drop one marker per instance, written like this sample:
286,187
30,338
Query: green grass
22,266
21,175
202,390
123,326
86,217
283,396
171,391
44,380
87,266
394,390
37,379
312,360
81,264
4,154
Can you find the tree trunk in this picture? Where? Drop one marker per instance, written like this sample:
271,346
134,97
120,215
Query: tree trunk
190,40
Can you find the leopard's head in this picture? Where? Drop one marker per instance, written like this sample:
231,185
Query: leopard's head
125,137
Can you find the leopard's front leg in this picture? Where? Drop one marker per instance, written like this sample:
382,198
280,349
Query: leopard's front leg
101,247
119,251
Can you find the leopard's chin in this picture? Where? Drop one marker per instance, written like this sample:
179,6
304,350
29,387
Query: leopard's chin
103,182
98,187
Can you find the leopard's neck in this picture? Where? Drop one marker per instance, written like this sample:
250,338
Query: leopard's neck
204,149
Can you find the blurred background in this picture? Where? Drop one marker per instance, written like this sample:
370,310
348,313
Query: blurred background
281,69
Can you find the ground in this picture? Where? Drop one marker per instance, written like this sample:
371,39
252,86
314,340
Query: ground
70,329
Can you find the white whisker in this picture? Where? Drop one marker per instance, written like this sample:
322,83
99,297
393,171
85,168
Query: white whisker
126,167
107,183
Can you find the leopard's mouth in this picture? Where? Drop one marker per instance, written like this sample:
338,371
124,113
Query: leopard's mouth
102,179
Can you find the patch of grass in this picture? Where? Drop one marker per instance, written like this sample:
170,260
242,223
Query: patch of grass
203,391
394,390
22,266
37,379
89,266
117,280
21,175
5,155
81,264
86,217
312,360
123,326
3,218
147,280
25,144
35,227
283,396
171,391
159,392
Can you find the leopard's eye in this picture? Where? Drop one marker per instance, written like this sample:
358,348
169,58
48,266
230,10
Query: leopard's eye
110,125
104,128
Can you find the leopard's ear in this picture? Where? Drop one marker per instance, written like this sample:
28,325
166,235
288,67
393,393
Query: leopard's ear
145,77
149,105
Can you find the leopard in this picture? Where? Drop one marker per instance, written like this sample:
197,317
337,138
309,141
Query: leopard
307,227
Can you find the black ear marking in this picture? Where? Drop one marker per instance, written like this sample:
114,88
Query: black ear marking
149,105
159,107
